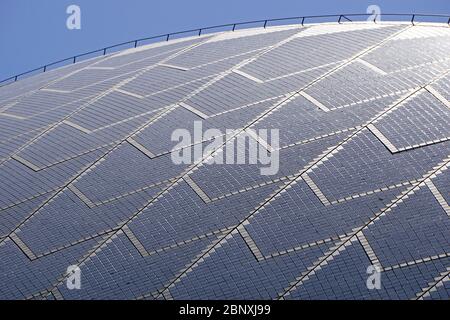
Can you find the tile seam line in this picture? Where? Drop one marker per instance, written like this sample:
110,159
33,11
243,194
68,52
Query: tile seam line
222,74
179,177
307,25
416,262
441,278
44,126
361,53
373,99
46,291
20,96
77,99
182,243
330,72
130,119
306,70
43,193
108,57
400,184
338,237
106,232
179,85
160,292
333,240
59,122
335,250
172,51
228,58
215,78
438,196
348,61
89,167
174,87
364,226
287,146
399,102
195,238
95,98
130,72
222,135
438,96
368,250
74,243
124,195
421,181
420,65
345,62
63,187
252,246
69,158
423,144
167,110
208,37
118,143
117,54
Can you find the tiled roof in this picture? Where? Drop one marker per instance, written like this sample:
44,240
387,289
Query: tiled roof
87,177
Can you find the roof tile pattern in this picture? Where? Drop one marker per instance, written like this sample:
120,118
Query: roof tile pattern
87,179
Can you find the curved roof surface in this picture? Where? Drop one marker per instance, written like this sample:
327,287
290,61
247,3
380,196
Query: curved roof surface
87,176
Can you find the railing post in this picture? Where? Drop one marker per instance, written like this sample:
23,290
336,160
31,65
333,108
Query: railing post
200,30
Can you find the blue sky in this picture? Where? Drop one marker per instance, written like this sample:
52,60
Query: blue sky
34,32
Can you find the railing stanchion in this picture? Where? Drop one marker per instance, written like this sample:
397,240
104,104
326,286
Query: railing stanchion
234,25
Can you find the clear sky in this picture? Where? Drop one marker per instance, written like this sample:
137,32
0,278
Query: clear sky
34,32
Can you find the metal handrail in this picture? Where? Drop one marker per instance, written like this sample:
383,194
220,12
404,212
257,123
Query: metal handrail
200,31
